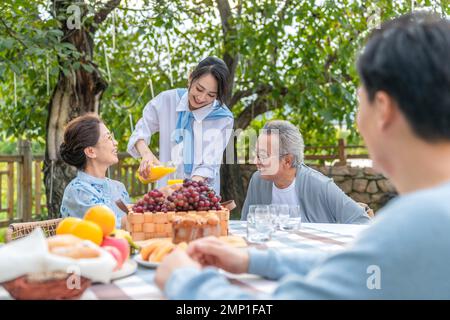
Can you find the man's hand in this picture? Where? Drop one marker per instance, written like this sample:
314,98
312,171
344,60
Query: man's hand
177,259
211,251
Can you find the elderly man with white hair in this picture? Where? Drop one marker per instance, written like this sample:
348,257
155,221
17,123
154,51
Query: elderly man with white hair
283,178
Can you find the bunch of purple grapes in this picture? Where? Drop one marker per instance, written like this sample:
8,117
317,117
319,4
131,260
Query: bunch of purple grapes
194,195
153,201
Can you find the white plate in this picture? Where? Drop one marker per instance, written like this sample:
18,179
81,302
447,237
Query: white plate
128,268
144,263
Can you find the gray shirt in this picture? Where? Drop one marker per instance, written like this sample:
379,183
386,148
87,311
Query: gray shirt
321,200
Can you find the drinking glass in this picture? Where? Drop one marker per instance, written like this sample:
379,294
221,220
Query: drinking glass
259,224
276,210
290,219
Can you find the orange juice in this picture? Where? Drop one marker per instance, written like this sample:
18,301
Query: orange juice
156,173
174,181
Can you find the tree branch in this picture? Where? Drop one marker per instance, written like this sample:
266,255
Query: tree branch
332,57
230,56
280,25
257,107
103,13
261,105
262,89
134,9
12,33
225,14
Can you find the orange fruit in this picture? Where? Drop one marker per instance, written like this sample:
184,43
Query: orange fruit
88,230
103,216
66,224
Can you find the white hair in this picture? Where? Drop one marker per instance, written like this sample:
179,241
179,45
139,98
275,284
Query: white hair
290,139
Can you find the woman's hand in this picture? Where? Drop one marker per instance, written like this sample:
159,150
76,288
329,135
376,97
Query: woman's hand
147,162
148,159
211,251
168,190
198,178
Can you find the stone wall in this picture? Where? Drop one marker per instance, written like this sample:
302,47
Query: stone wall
361,184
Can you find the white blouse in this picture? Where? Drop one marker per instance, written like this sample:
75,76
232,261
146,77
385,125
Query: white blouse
210,136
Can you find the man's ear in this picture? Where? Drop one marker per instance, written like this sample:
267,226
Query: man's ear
387,110
288,160
90,152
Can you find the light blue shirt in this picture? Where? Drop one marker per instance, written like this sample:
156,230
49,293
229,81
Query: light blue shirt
404,254
86,191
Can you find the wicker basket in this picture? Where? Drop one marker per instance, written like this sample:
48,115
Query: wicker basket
20,230
143,226
50,286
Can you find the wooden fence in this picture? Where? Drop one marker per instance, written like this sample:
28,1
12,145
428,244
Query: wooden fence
340,152
22,191
22,195
125,171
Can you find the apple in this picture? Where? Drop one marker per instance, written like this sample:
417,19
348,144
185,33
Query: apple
116,254
121,244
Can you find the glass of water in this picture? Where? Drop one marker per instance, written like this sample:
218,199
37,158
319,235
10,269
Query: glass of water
277,210
259,224
291,218
251,229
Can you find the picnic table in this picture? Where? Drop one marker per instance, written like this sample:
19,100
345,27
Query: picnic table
311,236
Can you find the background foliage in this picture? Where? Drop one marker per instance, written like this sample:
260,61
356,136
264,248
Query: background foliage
298,56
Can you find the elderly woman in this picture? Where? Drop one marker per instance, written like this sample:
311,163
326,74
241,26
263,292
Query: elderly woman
91,148
282,178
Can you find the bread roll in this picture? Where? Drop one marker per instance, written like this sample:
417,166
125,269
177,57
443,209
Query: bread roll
68,245
78,251
63,240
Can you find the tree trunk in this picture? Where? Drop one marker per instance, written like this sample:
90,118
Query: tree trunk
231,182
231,187
74,95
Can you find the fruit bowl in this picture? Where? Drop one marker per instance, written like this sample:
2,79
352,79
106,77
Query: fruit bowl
46,286
149,225
189,196
152,216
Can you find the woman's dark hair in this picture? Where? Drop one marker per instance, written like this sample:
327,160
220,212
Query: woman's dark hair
80,133
219,70
409,59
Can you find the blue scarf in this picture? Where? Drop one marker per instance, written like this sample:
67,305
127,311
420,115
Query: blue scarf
184,131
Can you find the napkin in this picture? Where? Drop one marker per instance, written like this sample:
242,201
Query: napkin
30,255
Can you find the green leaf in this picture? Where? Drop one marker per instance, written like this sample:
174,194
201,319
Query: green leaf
6,43
87,67
14,68
65,71
68,45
